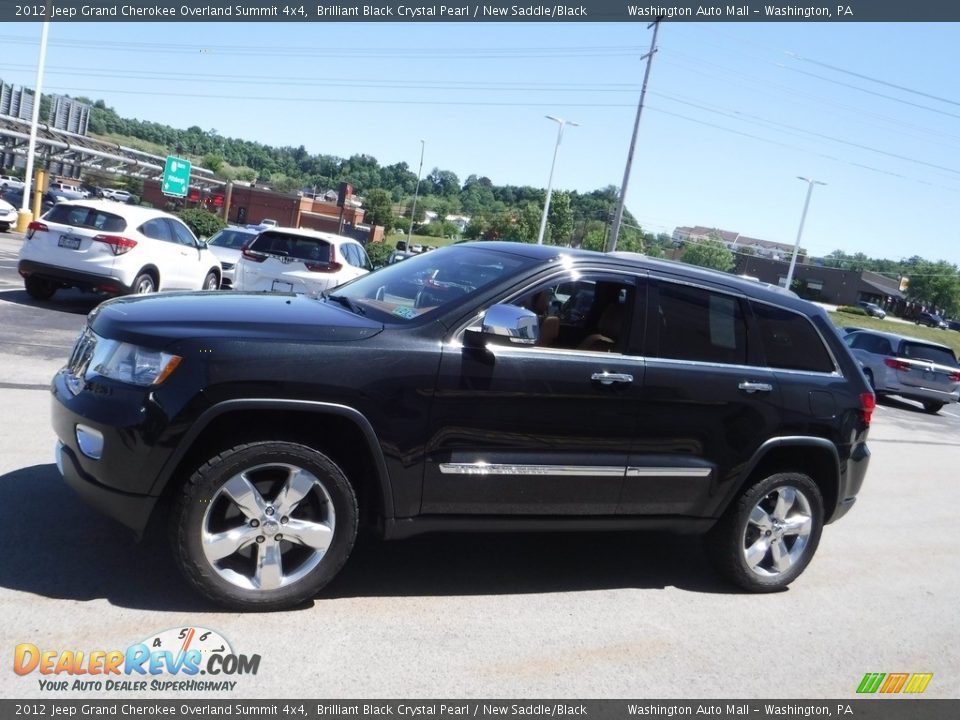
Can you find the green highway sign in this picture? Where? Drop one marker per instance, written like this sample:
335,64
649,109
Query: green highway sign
176,176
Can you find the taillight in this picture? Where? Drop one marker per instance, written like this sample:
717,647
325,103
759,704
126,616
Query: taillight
324,267
117,243
955,376
868,403
896,364
251,254
330,266
35,226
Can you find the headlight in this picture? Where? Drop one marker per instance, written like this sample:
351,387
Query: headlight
130,363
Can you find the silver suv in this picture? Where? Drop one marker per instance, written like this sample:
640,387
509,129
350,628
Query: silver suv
909,367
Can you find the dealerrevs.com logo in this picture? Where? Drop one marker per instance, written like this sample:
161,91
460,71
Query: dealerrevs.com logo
180,659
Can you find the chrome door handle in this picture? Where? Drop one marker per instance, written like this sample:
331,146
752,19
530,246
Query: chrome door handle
608,378
752,387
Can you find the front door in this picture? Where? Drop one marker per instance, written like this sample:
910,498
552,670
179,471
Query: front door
545,429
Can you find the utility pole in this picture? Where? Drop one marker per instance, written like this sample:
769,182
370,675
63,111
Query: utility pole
618,218
416,193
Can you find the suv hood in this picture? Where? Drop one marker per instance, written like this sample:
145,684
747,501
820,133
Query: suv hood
156,320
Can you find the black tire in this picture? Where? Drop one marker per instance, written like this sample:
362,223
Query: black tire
219,546
39,288
143,285
211,281
730,542
932,407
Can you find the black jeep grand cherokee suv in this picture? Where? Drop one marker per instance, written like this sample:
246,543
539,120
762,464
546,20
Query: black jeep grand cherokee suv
485,386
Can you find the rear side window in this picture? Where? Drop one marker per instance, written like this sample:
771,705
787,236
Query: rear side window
697,324
790,342
85,217
157,229
920,351
870,343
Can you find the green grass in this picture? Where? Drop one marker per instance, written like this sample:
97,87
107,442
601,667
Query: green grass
950,338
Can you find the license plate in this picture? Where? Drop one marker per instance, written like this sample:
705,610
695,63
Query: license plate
71,243
282,286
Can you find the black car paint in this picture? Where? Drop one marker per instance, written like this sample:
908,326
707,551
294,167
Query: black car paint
417,396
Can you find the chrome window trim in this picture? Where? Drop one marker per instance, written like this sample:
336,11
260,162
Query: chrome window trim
746,368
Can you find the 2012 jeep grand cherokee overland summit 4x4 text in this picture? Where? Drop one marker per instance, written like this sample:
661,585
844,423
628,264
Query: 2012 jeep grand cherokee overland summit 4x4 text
484,386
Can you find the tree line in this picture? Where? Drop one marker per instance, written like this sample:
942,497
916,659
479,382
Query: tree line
496,211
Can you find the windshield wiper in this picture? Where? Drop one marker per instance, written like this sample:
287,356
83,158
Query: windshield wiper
348,303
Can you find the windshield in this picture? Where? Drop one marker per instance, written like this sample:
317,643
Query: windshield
234,239
408,290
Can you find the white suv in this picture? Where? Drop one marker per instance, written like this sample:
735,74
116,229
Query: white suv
9,182
118,195
300,261
100,246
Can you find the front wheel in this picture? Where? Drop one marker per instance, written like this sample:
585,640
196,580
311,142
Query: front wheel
264,526
932,407
211,281
769,535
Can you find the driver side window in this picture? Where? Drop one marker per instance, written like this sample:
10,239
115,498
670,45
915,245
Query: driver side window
583,312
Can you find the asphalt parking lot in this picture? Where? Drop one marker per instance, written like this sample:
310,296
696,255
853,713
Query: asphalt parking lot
560,615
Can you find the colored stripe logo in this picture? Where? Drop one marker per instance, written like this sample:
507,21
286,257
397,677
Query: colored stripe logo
892,683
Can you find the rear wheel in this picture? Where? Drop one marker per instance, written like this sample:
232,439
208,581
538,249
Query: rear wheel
264,526
932,407
769,535
39,288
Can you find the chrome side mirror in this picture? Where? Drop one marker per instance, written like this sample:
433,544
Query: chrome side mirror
512,323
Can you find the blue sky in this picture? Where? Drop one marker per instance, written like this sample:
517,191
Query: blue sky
734,111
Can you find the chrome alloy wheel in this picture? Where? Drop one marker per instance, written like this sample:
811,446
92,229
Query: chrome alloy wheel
268,526
776,534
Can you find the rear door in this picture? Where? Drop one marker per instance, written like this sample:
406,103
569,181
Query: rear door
193,265
162,250
708,401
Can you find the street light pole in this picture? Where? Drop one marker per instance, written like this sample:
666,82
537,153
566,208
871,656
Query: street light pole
25,216
413,208
803,218
546,205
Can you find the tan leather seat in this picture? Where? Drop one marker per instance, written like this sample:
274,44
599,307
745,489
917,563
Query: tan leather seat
609,327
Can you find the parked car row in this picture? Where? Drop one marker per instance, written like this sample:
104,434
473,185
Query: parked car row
102,246
96,245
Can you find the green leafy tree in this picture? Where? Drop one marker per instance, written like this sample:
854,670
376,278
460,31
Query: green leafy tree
560,219
935,284
203,223
709,254
378,253
378,209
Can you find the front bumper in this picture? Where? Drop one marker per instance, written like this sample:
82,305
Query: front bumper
118,476
131,510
